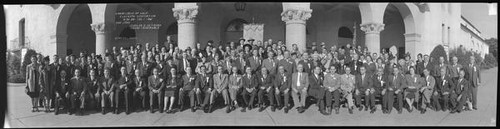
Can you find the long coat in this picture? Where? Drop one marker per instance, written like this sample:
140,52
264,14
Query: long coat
32,78
46,87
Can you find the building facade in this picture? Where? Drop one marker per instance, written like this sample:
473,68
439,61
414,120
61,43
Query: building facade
412,27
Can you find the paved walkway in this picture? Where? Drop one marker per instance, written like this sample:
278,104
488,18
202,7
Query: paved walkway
20,115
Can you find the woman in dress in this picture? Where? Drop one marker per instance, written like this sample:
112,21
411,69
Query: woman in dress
33,88
173,81
45,85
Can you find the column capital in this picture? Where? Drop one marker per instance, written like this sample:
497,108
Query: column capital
293,16
100,28
185,15
372,28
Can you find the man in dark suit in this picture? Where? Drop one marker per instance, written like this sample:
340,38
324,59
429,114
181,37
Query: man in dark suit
204,86
474,76
270,63
287,63
140,90
78,90
462,92
156,86
442,90
395,87
250,83
144,67
440,65
306,63
363,87
255,61
282,86
188,81
124,88
265,83
355,64
425,64
184,63
377,86
317,90
107,90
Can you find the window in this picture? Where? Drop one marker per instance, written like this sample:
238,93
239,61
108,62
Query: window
236,25
345,32
22,32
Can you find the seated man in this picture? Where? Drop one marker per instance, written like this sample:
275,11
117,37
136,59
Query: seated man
62,89
363,87
188,81
461,93
265,87
124,88
249,84
94,86
378,84
395,84
220,88
235,84
347,87
107,89
316,89
442,91
300,84
78,93
282,86
204,85
332,84
140,90
156,86
427,90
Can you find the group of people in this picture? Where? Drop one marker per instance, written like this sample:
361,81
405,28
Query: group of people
157,78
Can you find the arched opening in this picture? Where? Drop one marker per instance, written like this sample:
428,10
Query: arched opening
168,31
345,32
81,38
394,30
127,33
234,30
22,33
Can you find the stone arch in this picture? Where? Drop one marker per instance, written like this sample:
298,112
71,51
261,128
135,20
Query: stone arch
233,30
63,21
410,13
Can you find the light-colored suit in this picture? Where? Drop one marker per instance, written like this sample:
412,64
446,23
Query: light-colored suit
300,87
220,86
271,65
235,83
428,87
347,85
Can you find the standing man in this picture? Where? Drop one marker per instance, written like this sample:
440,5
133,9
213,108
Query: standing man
265,87
474,77
300,83
220,87
287,63
255,61
270,63
455,68
250,83
156,86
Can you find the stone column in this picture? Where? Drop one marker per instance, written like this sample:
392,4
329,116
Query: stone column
295,20
102,37
412,42
186,21
372,36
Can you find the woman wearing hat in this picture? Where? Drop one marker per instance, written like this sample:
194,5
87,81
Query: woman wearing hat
44,82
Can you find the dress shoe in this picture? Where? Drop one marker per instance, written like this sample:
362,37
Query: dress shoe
228,109
103,111
250,107
244,109
475,108
116,111
337,111
210,108
453,112
323,112
350,110
261,108
366,108
161,111
192,109
400,111
360,108
286,109
273,109
181,108
151,110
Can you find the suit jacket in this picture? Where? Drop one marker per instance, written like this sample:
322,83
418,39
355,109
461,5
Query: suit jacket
443,85
235,80
94,85
251,82
78,85
282,81
155,83
130,67
204,82
332,80
378,82
395,84
255,64
363,84
354,65
220,81
107,84
145,69
62,86
125,80
306,65
462,87
303,80
182,64
429,82
271,65
265,82
437,69
240,63
347,83
473,74
454,69
188,82
139,83
370,68
315,82
288,64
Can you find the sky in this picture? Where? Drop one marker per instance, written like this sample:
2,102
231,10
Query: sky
477,14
